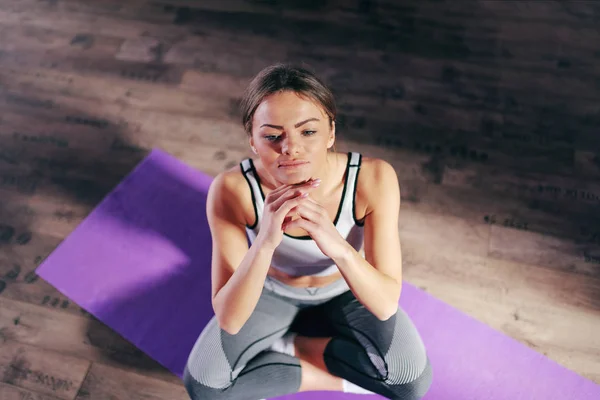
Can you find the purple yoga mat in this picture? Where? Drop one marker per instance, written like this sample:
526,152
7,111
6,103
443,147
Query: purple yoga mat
140,263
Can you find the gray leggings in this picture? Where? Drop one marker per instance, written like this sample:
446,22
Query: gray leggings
385,357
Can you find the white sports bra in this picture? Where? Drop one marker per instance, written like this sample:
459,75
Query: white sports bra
300,255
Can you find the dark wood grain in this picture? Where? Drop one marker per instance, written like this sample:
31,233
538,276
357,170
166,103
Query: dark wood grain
106,382
42,371
11,392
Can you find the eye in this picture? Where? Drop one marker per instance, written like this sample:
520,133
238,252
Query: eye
273,138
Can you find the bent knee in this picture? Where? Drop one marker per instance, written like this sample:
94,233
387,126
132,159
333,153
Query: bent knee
415,389
199,391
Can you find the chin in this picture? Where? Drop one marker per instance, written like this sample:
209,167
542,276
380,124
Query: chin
292,179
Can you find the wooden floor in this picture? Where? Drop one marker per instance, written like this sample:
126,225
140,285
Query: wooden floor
487,110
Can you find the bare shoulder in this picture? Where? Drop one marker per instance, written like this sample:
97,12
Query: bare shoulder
231,188
376,178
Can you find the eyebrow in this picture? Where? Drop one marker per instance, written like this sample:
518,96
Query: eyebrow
295,126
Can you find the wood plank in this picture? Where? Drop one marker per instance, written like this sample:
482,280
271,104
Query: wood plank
564,189
545,251
21,215
534,13
587,163
40,370
570,193
67,20
10,392
104,382
536,306
444,232
32,39
77,336
477,206
53,94
156,72
139,127
503,35
562,288
548,12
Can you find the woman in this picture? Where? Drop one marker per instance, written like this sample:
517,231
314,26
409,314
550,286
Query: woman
306,212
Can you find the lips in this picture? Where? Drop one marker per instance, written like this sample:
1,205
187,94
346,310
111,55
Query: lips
291,163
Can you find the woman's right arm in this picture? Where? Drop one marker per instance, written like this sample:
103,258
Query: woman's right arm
237,272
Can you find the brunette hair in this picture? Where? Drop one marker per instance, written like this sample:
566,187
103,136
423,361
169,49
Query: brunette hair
285,77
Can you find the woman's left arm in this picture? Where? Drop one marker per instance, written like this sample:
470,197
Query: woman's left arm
376,279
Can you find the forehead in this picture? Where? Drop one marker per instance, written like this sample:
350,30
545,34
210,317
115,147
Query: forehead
288,106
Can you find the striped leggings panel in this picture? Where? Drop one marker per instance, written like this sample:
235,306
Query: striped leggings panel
385,357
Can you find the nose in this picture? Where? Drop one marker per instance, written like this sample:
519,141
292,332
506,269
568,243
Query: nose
289,145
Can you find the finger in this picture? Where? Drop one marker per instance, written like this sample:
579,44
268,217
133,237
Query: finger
309,211
308,202
305,224
289,195
293,191
277,193
311,204
288,205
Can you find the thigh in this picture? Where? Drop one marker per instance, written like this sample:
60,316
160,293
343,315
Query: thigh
218,357
393,346
349,319
269,321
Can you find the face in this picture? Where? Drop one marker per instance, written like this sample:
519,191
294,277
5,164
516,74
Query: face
289,128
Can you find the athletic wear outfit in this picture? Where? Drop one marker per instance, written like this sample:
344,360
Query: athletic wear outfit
384,357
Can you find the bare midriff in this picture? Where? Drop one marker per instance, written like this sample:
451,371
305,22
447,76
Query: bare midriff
305,280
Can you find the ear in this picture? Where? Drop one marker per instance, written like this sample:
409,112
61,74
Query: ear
331,140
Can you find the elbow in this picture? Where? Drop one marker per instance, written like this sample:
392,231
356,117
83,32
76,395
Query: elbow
392,308
227,325
391,311
224,321
229,328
